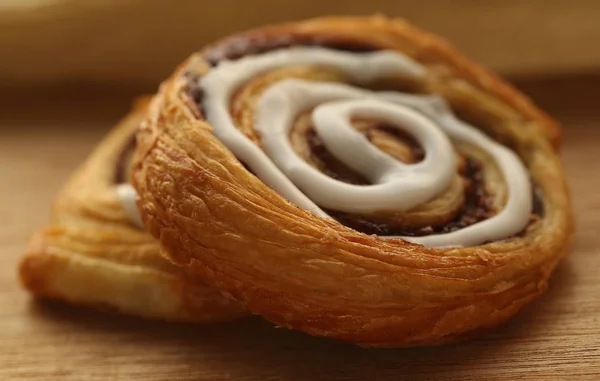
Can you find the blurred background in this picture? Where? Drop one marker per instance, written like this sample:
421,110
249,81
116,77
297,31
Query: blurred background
140,41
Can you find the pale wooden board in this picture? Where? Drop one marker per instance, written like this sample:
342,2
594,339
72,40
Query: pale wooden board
43,136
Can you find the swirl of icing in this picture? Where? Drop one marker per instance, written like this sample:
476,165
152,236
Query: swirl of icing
395,185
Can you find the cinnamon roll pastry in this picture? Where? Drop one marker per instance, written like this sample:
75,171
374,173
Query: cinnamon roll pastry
355,178
93,254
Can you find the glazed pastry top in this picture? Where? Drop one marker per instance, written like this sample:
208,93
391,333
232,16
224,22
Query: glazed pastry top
394,185
379,181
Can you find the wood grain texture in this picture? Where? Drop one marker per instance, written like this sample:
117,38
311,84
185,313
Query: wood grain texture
44,135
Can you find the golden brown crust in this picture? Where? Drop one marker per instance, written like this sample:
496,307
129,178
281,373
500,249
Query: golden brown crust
219,221
91,254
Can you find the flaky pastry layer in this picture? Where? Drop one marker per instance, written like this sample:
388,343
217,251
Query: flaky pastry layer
91,254
220,222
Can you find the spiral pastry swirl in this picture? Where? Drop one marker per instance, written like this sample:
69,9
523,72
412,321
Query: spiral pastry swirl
354,178
396,186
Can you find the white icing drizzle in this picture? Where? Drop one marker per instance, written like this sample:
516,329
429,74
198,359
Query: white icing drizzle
396,186
220,83
513,218
128,196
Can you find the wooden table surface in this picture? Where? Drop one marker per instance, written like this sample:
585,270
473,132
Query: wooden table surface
45,133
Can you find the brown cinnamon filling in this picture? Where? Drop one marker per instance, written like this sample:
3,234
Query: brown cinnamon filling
538,203
252,44
123,164
416,151
333,167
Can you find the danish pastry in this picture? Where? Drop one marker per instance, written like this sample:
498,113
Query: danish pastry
355,178
92,253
